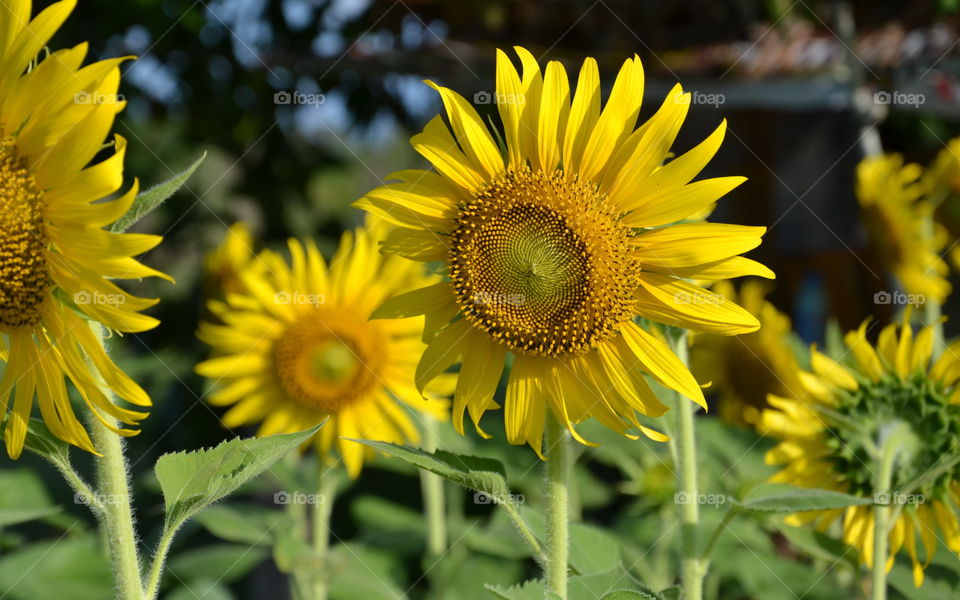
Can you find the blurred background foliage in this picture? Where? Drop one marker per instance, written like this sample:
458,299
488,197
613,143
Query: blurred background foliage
792,76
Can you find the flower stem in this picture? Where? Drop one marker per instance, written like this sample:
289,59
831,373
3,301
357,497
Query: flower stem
433,497
558,474
322,509
693,567
113,491
152,588
881,513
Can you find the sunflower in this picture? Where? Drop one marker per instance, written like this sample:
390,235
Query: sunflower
222,267
745,369
554,244
296,347
56,260
829,439
943,181
892,198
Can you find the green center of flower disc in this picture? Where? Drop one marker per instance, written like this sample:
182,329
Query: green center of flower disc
24,280
326,361
542,263
879,406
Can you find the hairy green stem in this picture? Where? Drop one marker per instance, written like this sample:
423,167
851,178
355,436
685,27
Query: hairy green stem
525,533
558,475
693,566
113,492
322,509
434,504
152,588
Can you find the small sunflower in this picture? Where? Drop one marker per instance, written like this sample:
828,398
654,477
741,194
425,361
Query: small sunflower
744,369
296,347
943,181
552,246
829,439
893,200
223,266
56,260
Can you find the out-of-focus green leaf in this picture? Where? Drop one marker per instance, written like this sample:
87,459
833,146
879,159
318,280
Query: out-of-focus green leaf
69,568
528,590
780,497
227,562
592,550
358,571
243,523
207,588
148,200
481,474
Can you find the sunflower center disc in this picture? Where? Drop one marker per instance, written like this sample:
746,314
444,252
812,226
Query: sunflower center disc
541,262
325,362
24,279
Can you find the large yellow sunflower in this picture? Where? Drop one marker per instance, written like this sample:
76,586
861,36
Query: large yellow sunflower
56,260
744,369
553,246
296,347
896,212
830,436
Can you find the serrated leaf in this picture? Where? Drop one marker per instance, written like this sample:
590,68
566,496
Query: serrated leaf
208,588
150,199
784,498
193,480
629,595
528,590
473,472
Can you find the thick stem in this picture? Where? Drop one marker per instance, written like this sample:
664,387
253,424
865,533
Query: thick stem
881,513
434,505
693,567
322,509
113,492
558,475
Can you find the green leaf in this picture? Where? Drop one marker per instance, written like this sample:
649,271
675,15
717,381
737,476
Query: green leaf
780,497
207,588
190,481
23,497
40,440
629,595
244,523
148,200
528,590
484,475
228,562
358,571
70,567
592,550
